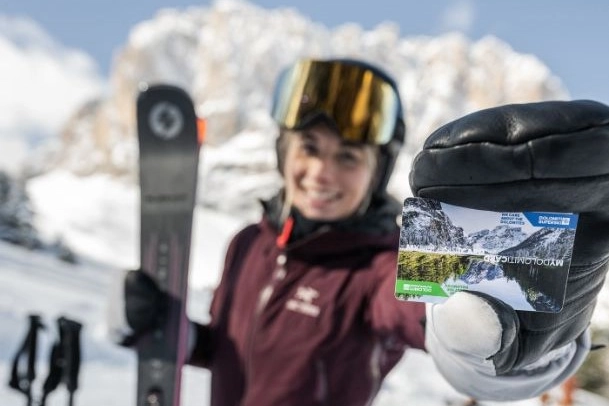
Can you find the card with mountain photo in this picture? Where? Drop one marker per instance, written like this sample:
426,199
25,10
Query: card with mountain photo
522,258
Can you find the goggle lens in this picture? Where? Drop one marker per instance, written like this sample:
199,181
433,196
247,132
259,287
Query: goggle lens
363,106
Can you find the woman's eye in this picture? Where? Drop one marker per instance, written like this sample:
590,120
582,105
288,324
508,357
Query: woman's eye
348,158
309,148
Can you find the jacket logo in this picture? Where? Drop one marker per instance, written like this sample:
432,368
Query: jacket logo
302,301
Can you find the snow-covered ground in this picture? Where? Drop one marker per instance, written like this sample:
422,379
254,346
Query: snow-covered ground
98,218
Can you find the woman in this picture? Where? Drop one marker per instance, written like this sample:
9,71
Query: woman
305,312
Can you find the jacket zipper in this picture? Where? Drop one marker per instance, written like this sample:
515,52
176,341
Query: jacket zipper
267,291
263,298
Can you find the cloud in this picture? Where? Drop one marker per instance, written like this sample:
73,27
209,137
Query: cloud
44,83
458,16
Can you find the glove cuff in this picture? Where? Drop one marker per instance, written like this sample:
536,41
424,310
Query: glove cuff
476,377
117,329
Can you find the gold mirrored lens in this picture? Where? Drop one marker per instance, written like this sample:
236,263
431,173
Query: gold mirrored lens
363,106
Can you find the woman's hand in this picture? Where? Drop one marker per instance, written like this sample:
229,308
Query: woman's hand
548,156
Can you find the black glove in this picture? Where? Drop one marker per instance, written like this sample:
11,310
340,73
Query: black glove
145,304
548,156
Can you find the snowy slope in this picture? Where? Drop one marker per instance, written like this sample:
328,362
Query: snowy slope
34,282
97,215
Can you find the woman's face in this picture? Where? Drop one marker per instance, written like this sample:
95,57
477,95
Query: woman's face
325,177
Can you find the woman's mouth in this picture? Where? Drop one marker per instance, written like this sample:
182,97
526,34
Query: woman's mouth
321,197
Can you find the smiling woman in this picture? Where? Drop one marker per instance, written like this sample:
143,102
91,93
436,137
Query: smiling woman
325,177
306,296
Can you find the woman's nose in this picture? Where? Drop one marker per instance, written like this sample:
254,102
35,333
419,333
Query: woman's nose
321,168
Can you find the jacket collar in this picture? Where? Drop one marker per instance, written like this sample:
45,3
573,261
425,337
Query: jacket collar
326,243
375,229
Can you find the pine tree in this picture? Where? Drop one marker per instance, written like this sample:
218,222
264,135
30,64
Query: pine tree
16,214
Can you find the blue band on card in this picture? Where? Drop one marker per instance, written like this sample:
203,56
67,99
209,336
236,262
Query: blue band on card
552,220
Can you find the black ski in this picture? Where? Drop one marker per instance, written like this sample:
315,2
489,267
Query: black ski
169,154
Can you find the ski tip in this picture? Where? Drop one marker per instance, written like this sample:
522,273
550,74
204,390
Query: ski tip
201,128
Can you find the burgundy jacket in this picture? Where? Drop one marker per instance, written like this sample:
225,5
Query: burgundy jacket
315,323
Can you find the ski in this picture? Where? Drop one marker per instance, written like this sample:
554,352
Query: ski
169,155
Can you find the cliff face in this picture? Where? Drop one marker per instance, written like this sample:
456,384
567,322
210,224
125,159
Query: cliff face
227,57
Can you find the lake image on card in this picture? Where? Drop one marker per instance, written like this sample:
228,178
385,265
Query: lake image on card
521,258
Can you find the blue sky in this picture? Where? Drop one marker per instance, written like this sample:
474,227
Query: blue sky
569,37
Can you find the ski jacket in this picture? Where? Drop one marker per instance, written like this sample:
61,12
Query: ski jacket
315,323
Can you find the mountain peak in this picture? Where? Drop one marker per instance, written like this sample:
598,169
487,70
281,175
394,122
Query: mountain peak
228,55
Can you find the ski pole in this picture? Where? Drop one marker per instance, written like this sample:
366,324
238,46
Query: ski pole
70,330
20,380
64,363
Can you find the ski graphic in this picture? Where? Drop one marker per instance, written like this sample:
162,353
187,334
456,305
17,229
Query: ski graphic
169,154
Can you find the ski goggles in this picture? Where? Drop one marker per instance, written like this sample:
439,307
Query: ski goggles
363,105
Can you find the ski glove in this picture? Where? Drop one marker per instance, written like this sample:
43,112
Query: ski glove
145,304
547,156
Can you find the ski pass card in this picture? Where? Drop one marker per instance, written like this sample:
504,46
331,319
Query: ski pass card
521,258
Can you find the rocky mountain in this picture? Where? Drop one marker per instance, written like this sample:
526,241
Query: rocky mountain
492,241
479,271
425,224
551,243
227,56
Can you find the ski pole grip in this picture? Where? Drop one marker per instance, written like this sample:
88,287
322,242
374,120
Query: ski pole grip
70,331
22,380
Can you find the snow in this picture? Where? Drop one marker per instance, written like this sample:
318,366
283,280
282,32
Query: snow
36,283
101,215
107,224
98,216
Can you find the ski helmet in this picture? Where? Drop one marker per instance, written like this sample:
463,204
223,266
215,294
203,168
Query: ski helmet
360,100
